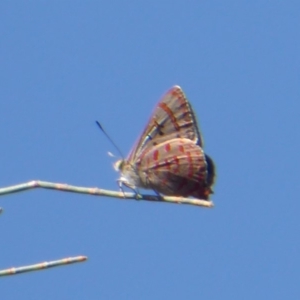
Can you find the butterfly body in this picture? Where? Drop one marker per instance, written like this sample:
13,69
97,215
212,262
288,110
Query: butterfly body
168,158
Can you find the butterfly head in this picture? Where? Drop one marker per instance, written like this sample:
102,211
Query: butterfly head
129,175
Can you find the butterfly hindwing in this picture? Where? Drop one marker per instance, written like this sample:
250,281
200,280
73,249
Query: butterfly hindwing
172,118
175,167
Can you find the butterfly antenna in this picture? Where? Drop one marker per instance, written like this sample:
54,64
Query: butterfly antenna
110,139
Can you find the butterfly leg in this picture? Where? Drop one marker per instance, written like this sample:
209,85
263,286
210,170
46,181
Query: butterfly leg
159,196
138,196
120,184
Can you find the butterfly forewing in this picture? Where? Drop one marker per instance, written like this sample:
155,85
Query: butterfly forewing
172,118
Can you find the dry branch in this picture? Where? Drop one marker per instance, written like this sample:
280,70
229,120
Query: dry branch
43,265
90,191
101,192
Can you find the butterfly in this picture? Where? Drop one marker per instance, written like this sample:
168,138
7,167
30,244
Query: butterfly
168,157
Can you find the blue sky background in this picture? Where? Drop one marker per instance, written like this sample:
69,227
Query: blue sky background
65,64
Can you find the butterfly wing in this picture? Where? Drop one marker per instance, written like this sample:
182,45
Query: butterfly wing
176,167
172,118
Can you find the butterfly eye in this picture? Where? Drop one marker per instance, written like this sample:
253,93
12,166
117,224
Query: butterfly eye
118,165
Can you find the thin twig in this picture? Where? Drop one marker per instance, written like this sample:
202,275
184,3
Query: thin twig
101,192
43,265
